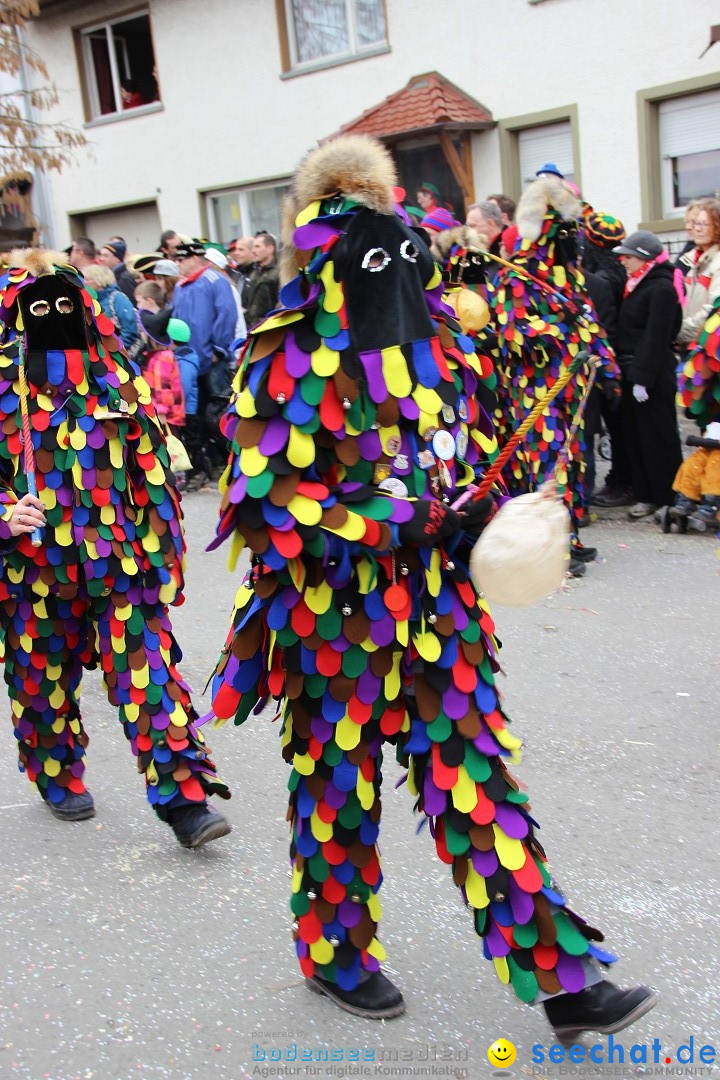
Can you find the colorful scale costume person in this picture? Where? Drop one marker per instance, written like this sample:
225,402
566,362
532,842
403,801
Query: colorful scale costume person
470,271
111,557
359,411
540,328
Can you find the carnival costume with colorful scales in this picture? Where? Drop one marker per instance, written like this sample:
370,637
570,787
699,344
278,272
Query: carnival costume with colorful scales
543,318
97,589
358,401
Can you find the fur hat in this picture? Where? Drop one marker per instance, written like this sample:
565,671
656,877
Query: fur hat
603,230
545,196
355,166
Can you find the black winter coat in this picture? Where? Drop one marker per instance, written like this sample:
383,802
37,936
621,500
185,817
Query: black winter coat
648,324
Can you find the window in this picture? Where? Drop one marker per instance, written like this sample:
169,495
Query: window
548,142
532,140
321,32
118,65
244,211
689,149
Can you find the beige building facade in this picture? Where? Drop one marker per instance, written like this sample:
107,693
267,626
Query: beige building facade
197,113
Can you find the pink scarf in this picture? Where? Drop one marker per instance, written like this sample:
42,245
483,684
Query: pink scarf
635,278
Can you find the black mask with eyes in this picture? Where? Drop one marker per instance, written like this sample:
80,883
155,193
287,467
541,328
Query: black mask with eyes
54,315
383,267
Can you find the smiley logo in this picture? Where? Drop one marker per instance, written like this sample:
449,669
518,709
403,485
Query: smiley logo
502,1054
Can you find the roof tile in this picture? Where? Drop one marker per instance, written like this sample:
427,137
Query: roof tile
427,101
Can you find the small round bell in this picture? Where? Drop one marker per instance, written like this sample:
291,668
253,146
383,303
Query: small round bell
346,609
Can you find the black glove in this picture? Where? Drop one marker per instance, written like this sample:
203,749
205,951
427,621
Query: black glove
612,393
474,516
431,522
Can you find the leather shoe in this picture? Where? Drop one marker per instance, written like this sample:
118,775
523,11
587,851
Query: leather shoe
577,567
604,1008
73,807
611,497
375,998
197,824
583,553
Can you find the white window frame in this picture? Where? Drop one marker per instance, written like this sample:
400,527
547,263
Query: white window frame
243,192
669,209
355,52
86,35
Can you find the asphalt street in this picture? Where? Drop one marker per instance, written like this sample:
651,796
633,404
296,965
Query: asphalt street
125,956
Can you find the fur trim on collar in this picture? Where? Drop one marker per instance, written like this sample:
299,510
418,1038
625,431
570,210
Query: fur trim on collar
463,235
541,197
353,165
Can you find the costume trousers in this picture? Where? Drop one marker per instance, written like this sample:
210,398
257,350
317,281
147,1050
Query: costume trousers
653,442
48,643
335,726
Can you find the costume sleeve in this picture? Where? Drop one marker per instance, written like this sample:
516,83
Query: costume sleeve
284,493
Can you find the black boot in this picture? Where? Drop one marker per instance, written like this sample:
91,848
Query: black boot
73,807
197,824
603,1008
583,553
375,998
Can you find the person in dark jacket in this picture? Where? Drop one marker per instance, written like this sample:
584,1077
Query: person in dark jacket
112,255
650,317
264,285
605,283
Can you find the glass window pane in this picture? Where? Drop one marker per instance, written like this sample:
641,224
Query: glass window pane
265,208
370,21
696,175
135,61
321,28
226,214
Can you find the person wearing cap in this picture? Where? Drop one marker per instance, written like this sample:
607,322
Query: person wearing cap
203,299
543,321
188,363
648,324
486,218
144,265
167,275
605,283
549,169
428,197
217,259
112,255
438,220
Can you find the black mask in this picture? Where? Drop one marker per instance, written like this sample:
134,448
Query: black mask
383,267
54,315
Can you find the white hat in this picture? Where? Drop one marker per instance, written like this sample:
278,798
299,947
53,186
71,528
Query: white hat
216,258
165,268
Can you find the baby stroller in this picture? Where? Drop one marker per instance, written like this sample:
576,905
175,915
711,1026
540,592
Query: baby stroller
678,515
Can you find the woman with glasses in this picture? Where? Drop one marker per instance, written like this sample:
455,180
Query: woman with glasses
702,281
